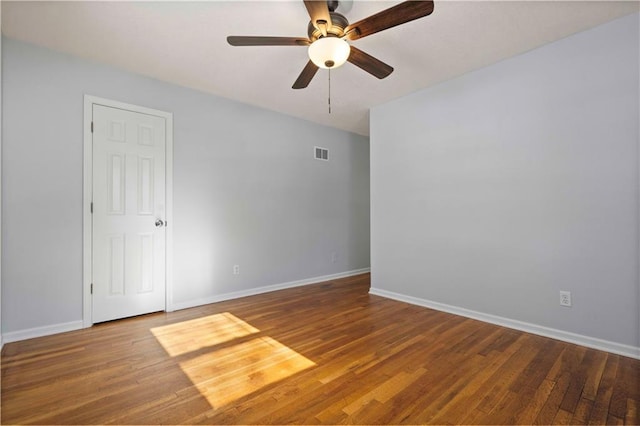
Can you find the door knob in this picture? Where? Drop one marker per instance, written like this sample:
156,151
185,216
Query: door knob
159,223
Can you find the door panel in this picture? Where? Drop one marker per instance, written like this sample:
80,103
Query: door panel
128,255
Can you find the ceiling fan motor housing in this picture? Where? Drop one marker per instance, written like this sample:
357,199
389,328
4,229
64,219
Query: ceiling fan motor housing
338,24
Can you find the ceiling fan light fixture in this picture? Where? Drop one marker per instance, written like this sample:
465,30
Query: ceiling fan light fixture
329,52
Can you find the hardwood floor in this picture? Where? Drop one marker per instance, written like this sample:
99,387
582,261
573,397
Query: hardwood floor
327,353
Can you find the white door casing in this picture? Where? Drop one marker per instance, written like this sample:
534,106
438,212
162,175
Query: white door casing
127,254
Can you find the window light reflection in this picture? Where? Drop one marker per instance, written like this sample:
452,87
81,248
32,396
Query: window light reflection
189,336
237,371
225,373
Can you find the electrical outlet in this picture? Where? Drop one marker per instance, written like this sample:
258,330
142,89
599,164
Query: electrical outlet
565,298
334,257
236,269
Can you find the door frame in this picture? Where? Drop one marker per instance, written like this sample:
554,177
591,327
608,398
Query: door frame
87,198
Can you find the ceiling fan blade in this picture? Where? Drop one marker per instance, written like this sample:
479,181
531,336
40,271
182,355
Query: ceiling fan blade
319,13
267,41
399,14
305,76
368,63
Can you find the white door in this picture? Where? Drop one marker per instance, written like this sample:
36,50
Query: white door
128,233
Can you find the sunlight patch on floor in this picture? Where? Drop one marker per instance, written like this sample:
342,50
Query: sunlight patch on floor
224,371
189,336
231,373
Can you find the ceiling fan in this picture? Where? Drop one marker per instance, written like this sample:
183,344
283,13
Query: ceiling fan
329,31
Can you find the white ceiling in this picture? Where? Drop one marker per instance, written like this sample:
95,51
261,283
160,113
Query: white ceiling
184,43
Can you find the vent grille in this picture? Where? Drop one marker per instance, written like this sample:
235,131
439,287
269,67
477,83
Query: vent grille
321,153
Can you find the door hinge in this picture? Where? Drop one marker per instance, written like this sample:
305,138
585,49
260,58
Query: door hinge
92,127
91,288
91,207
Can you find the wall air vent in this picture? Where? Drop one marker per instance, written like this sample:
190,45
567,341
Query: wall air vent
321,153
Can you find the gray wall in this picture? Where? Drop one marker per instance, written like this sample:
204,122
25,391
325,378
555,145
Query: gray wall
493,191
1,340
247,190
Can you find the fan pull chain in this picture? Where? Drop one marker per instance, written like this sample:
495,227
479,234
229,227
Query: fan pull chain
329,90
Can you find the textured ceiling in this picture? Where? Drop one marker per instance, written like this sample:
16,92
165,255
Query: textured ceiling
185,43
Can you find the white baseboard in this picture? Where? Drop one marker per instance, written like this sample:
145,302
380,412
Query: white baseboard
578,339
266,289
47,330
30,333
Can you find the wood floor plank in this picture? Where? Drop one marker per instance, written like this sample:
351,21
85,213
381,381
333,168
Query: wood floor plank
328,353
474,392
507,375
614,420
562,417
578,379
593,380
583,412
385,391
552,405
626,385
600,411
527,397
530,411
631,416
